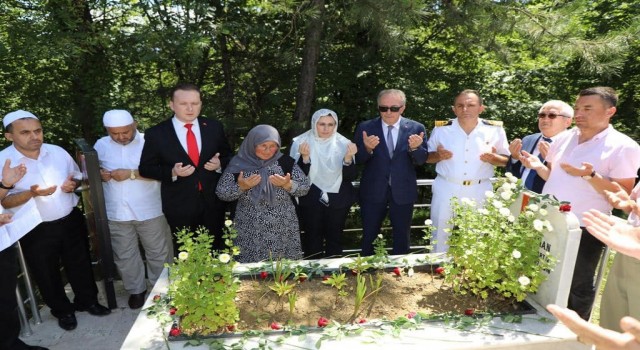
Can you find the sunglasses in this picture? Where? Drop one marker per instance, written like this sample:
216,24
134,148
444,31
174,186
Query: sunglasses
392,108
549,115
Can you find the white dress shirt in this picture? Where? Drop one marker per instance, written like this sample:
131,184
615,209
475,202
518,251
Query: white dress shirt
394,132
181,131
53,166
128,200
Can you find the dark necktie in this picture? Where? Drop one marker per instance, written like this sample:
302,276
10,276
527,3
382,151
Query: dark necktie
390,140
528,182
192,149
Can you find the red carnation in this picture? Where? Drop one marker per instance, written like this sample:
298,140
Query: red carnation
231,328
397,271
264,275
412,314
362,320
322,322
302,278
325,277
469,312
156,297
566,207
440,270
172,311
276,326
174,332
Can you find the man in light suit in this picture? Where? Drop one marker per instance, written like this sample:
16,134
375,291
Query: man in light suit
187,153
389,147
554,117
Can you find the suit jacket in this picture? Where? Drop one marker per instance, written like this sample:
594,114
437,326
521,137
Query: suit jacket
529,144
162,150
378,167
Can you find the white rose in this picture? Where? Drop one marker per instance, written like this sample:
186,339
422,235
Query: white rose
524,281
228,223
533,207
506,186
483,211
516,254
224,258
505,212
538,225
428,222
468,202
511,218
468,252
511,178
506,195
547,224
183,255
543,212
489,194
498,204
380,236
410,272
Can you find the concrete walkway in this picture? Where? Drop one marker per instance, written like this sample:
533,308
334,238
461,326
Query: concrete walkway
95,333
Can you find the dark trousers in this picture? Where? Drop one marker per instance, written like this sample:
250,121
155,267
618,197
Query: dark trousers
323,228
372,216
582,293
9,321
208,214
61,241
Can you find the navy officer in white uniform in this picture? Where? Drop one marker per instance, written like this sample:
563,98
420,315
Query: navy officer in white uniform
465,151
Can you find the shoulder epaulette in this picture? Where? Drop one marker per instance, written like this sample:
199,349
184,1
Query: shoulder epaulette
493,122
443,122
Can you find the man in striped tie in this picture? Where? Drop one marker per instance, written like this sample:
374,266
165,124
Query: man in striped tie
554,117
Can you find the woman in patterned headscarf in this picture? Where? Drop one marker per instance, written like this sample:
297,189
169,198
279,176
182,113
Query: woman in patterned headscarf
262,180
327,157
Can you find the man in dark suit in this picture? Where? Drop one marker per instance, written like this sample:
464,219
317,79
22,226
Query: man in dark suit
389,147
187,154
554,117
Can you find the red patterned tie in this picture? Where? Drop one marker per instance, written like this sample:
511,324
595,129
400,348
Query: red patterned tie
192,148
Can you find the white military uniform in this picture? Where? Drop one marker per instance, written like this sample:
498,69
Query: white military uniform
464,174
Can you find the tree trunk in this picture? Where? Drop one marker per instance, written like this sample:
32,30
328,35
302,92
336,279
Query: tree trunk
309,69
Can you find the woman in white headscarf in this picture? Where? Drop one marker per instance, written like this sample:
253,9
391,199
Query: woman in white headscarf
262,180
327,157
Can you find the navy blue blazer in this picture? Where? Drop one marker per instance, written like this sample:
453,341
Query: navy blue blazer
529,144
378,167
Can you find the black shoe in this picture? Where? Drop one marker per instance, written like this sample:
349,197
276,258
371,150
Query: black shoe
67,322
35,347
95,309
137,300
20,345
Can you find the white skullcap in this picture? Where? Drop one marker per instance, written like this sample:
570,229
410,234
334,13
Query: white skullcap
117,118
15,115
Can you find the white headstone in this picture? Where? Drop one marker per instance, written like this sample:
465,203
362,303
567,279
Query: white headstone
562,243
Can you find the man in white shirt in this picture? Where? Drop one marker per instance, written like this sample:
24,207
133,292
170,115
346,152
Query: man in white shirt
62,236
466,149
134,207
583,163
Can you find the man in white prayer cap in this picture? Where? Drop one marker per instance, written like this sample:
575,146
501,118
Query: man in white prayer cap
62,238
134,207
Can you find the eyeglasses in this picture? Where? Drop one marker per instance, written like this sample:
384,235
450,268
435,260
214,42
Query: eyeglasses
392,108
549,115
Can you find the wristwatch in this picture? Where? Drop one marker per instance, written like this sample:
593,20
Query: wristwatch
590,176
133,175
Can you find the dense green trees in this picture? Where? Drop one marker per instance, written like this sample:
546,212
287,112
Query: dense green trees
276,61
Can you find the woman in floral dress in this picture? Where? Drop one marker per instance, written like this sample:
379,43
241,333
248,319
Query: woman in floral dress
263,180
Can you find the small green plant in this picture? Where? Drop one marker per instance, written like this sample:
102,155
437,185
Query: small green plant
282,288
381,255
428,235
293,298
359,264
337,281
492,249
202,286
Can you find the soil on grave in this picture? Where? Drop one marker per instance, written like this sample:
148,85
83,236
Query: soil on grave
399,295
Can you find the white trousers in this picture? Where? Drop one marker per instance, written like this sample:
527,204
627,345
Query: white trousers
443,191
155,236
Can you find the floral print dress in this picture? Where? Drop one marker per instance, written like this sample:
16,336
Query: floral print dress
266,231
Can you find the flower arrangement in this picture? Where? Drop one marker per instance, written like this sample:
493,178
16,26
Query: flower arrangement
492,249
202,285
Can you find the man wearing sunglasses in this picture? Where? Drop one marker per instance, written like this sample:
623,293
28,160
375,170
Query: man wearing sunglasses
466,149
390,147
554,117
581,164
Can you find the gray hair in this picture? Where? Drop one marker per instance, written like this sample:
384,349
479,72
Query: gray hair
565,109
396,92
